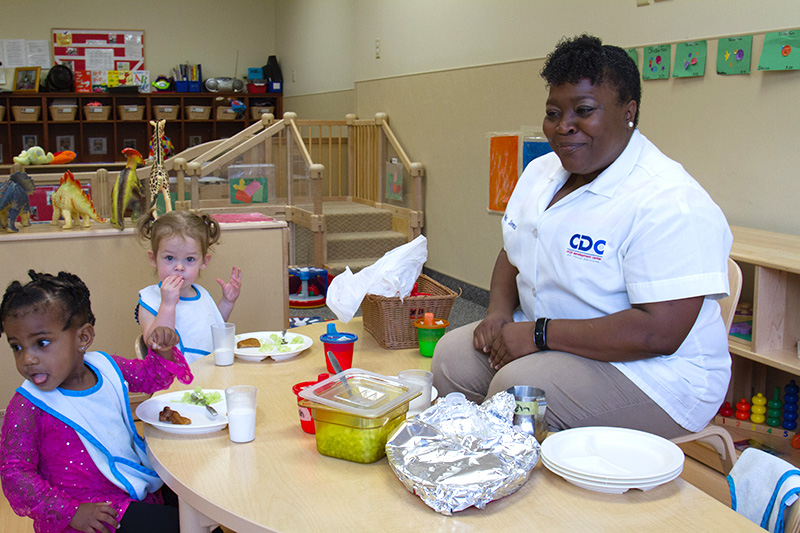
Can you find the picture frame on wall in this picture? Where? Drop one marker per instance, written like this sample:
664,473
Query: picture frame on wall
194,140
1,153
98,146
65,142
129,143
29,141
26,79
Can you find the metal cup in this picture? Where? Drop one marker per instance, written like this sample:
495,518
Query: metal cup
530,410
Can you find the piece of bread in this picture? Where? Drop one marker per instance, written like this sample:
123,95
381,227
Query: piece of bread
250,342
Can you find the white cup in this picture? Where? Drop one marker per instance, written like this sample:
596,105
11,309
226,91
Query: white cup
223,336
423,379
241,404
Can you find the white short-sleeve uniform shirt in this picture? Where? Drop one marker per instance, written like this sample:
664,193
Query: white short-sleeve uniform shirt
643,231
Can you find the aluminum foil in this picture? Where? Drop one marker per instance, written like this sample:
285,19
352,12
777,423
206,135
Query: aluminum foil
457,454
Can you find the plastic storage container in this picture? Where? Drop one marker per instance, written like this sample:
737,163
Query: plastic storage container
355,412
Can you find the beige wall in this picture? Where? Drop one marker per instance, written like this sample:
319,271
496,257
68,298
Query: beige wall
176,31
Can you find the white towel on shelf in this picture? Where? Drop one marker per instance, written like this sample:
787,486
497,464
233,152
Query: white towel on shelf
762,487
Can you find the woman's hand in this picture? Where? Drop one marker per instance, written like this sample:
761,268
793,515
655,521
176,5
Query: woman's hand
231,290
161,341
95,516
514,341
484,334
171,290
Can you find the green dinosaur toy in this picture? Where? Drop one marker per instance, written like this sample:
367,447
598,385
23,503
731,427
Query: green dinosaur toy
127,191
69,199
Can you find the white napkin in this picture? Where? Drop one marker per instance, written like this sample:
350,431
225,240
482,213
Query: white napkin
762,487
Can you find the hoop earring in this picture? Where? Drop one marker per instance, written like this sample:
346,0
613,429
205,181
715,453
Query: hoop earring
630,123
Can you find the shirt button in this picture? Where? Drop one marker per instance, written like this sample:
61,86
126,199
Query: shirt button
535,233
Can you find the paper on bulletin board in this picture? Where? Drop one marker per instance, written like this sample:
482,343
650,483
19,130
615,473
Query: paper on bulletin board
98,49
734,55
503,170
781,51
690,59
655,64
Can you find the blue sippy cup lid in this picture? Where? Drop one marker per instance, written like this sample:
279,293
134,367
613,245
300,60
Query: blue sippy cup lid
336,337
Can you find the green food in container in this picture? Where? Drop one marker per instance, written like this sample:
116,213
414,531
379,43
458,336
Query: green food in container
355,412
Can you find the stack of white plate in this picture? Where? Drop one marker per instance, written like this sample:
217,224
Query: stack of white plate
612,460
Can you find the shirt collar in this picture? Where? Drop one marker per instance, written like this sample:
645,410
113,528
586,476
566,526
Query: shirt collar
607,182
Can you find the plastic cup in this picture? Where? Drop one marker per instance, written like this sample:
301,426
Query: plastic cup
429,331
306,418
341,345
530,410
241,403
223,336
424,379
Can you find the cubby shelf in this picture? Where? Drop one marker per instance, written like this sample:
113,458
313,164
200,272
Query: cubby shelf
118,131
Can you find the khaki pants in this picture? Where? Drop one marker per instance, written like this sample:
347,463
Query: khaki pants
580,392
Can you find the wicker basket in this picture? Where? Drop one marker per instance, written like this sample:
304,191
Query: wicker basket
63,113
226,113
197,112
26,113
166,112
2,112
130,112
256,112
391,320
96,112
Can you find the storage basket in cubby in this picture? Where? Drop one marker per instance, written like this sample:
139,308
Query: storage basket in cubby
197,112
96,112
165,112
226,113
26,113
2,112
257,111
391,320
130,112
63,113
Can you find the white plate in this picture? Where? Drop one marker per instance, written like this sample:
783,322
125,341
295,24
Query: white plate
631,484
255,354
202,421
615,454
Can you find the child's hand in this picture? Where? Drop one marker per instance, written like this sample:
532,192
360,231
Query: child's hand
95,516
230,290
171,289
162,340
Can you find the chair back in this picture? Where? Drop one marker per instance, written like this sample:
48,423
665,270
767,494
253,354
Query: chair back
728,304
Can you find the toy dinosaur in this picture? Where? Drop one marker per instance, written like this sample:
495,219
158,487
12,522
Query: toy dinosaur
69,199
14,201
35,155
127,191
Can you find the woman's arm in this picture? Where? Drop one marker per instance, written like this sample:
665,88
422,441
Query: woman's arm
644,331
503,300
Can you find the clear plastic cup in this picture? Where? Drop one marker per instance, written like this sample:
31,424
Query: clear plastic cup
241,404
223,336
424,379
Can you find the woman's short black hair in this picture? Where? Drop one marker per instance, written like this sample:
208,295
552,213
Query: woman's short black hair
586,58
66,290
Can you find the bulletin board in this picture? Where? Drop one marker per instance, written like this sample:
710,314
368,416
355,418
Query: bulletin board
98,49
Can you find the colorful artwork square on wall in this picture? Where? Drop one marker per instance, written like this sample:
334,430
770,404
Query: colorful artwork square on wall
690,59
781,51
633,54
734,55
394,184
656,61
248,191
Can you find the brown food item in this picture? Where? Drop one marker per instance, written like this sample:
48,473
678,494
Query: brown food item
173,417
251,342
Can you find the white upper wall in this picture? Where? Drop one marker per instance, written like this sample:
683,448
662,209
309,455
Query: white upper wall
176,31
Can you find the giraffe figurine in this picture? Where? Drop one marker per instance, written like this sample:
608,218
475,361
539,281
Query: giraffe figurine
159,179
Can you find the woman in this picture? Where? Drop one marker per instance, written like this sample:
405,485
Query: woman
604,292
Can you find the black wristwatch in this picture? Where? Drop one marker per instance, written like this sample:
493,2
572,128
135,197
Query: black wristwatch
540,333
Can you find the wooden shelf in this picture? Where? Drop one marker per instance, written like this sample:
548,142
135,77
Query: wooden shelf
116,131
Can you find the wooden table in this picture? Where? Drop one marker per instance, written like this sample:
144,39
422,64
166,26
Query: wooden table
279,482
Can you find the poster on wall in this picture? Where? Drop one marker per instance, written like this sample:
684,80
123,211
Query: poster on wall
98,49
534,144
655,64
503,170
690,59
734,55
781,51
633,54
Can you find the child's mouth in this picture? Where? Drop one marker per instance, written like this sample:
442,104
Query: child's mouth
38,379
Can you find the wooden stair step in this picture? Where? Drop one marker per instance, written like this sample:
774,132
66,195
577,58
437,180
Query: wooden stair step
362,244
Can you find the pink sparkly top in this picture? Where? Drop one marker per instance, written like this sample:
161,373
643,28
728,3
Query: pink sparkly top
45,469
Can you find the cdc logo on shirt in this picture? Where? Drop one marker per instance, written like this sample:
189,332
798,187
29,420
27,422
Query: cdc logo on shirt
585,247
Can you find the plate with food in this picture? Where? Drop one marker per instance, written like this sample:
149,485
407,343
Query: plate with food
185,411
278,345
